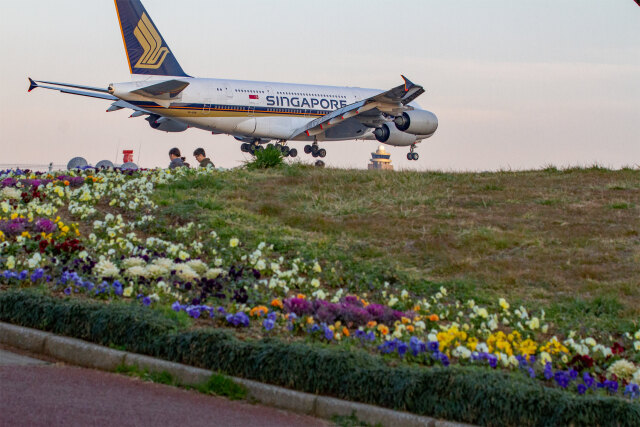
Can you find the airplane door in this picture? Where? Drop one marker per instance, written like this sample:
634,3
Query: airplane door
228,91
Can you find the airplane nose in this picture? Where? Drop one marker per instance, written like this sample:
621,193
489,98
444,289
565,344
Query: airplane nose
434,122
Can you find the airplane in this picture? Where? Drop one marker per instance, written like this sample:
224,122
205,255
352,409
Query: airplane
253,112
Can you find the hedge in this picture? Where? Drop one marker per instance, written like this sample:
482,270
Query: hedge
466,394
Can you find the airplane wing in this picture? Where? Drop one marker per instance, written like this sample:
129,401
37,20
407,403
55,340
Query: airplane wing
370,112
95,91
89,91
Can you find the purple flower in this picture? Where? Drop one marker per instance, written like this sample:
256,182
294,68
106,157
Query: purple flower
67,290
37,275
632,391
176,306
548,371
45,225
532,372
268,324
23,275
573,374
299,306
417,346
328,333
146,301
562,378
238,319
433,346
582,388
588,380
493,360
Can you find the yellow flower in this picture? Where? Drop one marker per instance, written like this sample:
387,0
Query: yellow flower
383,329
127,291
503,303
26,234
234,242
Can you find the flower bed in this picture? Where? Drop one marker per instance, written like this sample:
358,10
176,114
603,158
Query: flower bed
92,234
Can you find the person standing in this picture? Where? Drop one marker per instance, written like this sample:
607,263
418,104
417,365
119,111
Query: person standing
176,159
200,156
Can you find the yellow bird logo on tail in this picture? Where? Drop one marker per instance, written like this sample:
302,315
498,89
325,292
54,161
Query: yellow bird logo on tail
150,40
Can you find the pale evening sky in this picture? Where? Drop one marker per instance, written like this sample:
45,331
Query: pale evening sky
515,84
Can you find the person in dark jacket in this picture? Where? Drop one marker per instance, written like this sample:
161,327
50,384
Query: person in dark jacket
200,156
176,159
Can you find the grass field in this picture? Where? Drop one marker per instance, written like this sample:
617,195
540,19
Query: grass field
567,241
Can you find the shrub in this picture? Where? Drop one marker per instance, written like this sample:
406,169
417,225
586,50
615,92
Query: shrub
269,157
466,394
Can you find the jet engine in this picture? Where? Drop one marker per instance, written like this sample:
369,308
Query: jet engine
165,124
392,136
417,122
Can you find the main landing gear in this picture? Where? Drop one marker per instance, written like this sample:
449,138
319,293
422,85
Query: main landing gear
280,145
315,151
411,155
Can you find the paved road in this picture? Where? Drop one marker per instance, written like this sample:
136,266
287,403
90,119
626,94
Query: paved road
37,393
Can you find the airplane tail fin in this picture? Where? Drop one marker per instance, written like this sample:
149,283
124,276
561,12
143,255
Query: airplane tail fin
146,50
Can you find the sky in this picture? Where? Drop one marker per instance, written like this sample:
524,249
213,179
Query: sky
515,84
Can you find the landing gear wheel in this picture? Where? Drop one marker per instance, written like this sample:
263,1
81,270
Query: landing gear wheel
293,153
416,156
322,152
409,156
314,154
307,149
285,150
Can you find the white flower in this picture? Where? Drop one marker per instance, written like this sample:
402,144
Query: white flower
622,369
133,262
234,242
504,304
186,273
315,283
11,193
261,265
392,301
636,377
636,345
198,266
637,335
482,312
590,342
155,271
105,268
462,352
404,294
534,323
320,294
136,271
317,268
183,255
213,273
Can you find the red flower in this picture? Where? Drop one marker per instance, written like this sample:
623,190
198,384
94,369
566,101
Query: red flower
581,363
617,348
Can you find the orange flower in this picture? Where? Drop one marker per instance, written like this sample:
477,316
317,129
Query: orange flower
66,183
345,332
410,328
434,318
383,329
416,308
310,320
372,324
364,303
276,303
260,310
405,320
301,296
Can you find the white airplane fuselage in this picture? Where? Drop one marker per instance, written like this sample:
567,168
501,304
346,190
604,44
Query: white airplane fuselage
253,108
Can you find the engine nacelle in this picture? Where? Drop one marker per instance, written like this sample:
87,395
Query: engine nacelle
392,136
165,124
417,122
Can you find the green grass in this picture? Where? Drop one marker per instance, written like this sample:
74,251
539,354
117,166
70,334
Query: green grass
217,384
533,237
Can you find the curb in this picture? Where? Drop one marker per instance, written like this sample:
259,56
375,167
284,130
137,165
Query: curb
88,355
